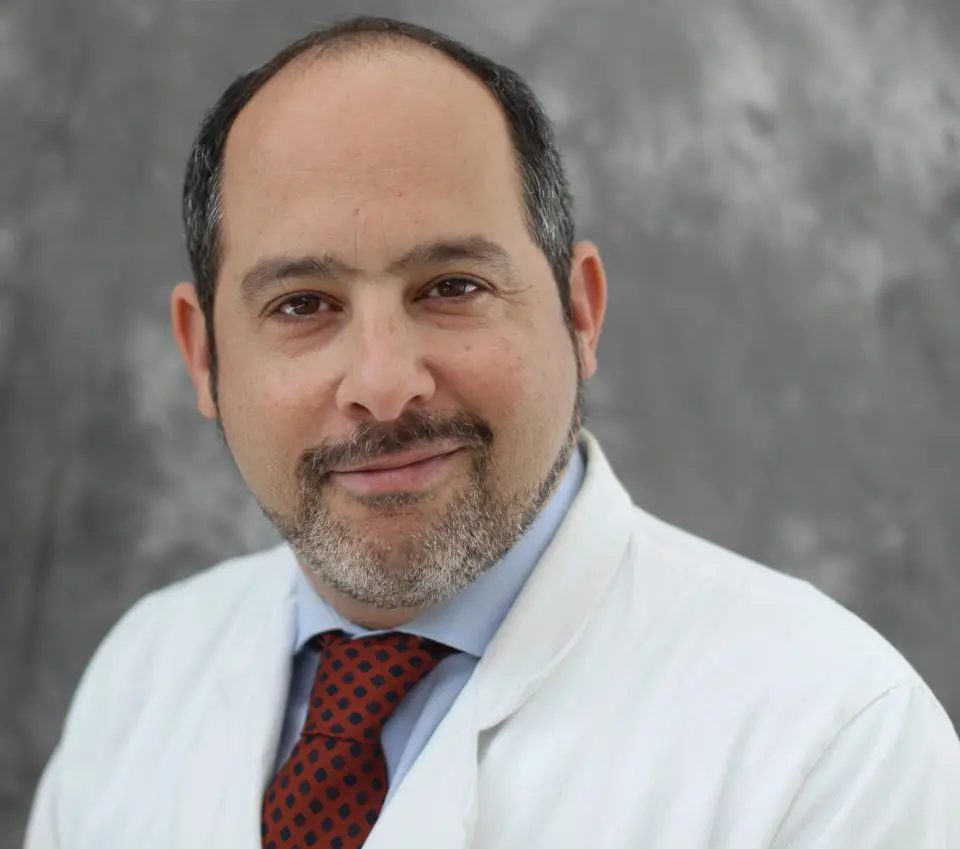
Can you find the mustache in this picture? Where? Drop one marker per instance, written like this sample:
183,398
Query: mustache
372,440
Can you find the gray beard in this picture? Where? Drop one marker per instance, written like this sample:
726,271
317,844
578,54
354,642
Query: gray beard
427,565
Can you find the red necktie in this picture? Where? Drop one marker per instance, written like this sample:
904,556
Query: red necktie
330,791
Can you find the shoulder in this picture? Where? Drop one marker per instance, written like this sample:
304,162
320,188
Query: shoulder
788,687
173,633
783,632
207,600
162,659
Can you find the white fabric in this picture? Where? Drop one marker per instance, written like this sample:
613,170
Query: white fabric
646,689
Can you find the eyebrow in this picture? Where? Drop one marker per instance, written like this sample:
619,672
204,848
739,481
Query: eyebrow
270,271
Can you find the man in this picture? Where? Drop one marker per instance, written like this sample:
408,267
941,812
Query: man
472,637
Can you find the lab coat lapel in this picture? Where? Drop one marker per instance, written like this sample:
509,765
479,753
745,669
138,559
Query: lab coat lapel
230,768
562,594
436,806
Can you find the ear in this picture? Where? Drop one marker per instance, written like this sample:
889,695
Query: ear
190,333
588,300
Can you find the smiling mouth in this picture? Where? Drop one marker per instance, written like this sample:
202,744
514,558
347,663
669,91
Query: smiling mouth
401,459
398,474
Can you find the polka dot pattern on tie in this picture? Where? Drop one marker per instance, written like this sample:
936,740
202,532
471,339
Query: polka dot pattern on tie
332,788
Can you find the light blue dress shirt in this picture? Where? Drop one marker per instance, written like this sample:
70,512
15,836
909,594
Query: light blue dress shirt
467,622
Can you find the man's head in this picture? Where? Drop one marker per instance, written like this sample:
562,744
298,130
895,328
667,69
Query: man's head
382,242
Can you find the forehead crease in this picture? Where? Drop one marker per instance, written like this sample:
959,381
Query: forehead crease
315,178
369,147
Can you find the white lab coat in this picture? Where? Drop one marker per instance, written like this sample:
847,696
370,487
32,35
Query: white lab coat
646,690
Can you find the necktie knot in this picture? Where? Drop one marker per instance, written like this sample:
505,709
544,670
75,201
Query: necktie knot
361,682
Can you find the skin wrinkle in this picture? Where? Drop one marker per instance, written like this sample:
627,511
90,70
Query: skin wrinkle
498,373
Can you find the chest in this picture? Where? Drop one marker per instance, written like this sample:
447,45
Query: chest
658,763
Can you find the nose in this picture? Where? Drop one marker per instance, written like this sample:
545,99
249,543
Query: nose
385,372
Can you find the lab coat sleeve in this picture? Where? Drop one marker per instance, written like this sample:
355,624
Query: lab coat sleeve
56,814
42,830
890,779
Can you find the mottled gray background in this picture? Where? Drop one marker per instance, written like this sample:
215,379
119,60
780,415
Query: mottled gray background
776,189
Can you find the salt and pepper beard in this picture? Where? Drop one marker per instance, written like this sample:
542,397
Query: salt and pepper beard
431,563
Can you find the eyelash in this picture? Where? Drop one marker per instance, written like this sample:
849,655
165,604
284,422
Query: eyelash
277,311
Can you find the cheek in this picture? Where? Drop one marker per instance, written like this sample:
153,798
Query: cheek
270,411
292,391
265,385
524,384
489,372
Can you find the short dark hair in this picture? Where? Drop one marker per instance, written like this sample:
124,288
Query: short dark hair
548,205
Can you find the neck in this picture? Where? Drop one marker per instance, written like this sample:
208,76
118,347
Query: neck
364,615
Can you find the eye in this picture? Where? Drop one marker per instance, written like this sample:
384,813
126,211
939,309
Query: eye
301,306
455,288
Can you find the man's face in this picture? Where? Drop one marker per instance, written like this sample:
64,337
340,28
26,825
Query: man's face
380,294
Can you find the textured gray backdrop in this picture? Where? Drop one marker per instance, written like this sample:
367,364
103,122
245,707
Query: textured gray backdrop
776,189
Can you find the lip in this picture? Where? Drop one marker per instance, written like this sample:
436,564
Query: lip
396,461
407,472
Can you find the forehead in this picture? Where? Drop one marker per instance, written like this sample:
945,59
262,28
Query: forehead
387,145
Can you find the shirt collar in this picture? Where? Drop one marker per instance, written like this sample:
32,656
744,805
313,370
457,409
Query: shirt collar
468,621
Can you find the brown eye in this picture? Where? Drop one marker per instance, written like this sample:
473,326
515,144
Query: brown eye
300,306
452,288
